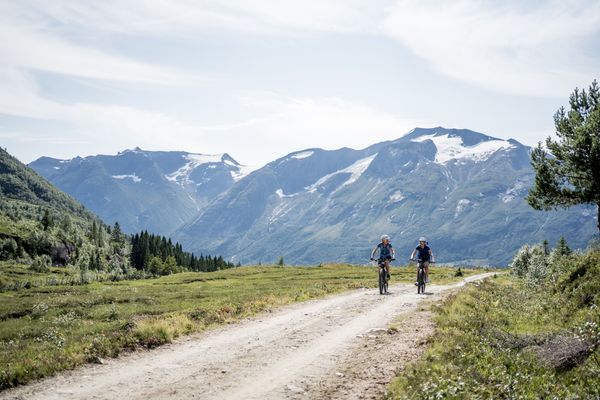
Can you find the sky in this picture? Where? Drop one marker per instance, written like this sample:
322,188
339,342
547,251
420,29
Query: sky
258,79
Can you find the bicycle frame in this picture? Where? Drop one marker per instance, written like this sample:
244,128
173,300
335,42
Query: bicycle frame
382,276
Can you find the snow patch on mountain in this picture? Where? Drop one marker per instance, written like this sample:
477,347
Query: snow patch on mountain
461,206
452,148
242,171
355,170
280,211
303,154
396,197
193,161
279,192
513,192
133,177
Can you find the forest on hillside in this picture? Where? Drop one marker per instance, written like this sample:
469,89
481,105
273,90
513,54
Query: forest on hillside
41,227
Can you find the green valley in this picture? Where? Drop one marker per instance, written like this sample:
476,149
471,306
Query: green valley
50,328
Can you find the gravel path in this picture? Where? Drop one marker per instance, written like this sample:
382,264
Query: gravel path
336,347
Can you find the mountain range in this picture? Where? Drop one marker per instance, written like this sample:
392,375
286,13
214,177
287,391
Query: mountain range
156,191
461,189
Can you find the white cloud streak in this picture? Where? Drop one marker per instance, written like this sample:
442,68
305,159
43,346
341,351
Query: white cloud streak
502,46
537,51
291,124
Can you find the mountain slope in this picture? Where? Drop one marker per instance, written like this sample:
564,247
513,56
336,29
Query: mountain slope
38,220
19,183
462,189
157,191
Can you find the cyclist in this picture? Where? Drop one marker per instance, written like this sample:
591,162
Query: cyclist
424,253
386,253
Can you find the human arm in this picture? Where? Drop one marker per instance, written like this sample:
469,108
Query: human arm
412,256
373,253
431,255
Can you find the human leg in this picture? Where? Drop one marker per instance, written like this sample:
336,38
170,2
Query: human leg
387,268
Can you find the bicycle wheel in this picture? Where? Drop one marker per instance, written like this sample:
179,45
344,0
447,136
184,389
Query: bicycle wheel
421,281
381,281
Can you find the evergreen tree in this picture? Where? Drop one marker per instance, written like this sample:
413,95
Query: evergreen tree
569,173
146,248
116,235
47,221
562,247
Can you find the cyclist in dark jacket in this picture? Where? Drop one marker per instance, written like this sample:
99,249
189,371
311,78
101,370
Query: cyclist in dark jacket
386,253
423,253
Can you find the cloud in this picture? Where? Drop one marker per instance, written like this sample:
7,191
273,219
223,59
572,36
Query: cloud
290,123
173,17
284,125
85,129
542,49
536,50
31,43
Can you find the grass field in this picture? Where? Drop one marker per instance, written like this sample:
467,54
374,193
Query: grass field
48,328
507,338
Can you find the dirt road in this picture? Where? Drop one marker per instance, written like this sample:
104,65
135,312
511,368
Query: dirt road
329,348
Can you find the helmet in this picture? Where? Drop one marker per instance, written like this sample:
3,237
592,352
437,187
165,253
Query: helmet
385,237
423,239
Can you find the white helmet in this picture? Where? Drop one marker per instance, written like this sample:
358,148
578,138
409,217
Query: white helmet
385,237
423,239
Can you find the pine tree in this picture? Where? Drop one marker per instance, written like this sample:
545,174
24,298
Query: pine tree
47,221
562,247
116,235
569,173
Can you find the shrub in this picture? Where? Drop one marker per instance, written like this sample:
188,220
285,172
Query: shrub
39,310
520,263
538,269
153,331
8,249
41,263
531,263
112,312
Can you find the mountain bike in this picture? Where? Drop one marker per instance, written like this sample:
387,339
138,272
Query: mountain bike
421,279
382,275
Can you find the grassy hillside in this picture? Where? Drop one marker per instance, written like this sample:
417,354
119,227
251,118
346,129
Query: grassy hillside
530,336
51,328
41,227
20,186
39,221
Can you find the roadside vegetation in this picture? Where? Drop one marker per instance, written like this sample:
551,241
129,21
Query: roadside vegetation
534,334
48,328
